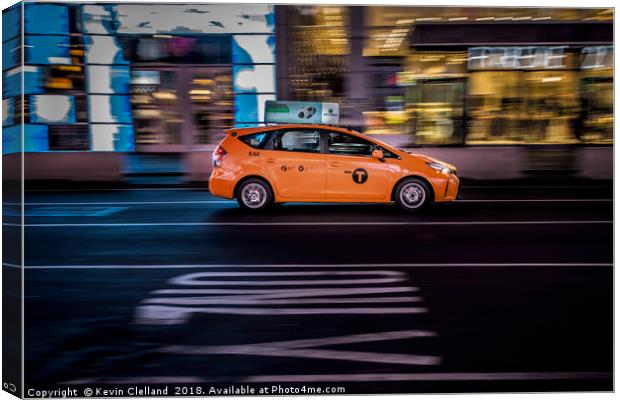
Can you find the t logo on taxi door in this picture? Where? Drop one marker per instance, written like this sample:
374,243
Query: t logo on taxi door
360,175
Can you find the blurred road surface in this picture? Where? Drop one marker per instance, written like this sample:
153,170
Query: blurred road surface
509,289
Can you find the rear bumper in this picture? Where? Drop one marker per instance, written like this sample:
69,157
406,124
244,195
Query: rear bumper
221,187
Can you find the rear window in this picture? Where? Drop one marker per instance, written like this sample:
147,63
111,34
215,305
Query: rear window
256,140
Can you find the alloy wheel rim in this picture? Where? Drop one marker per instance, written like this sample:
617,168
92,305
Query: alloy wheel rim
254,195
413,195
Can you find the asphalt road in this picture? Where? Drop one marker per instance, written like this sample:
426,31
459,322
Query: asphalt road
509,289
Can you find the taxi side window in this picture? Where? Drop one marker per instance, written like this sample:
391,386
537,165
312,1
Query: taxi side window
256,140
348,145
302,140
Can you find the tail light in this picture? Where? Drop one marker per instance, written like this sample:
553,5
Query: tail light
218,156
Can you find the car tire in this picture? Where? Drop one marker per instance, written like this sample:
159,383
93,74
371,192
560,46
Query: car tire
255,195
413,194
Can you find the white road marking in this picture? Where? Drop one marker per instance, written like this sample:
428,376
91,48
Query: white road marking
311,348
194,279
309,223
233,202
192,301
174,315
176,310
120,189
282,296
125,202
287,293
356,265
348,339
72,211
368,377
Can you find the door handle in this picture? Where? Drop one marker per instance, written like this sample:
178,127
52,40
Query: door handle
271,160
335,164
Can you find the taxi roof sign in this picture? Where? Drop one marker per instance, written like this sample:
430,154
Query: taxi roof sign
301,112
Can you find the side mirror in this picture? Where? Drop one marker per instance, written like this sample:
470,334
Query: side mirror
378,154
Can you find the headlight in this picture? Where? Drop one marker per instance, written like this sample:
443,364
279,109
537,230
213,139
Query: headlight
438,167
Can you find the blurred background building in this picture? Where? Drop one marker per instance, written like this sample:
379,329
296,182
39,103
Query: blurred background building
128,91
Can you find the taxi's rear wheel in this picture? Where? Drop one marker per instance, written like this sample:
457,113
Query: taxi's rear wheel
254,194
412,194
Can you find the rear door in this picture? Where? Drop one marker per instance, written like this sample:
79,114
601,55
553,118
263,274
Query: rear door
352,173
294,162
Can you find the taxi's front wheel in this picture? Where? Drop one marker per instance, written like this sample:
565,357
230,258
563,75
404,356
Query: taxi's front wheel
254,194
412,194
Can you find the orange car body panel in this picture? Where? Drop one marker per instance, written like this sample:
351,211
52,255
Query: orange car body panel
317,177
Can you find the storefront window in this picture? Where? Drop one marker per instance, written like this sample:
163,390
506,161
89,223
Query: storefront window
167,102
211,98
155,104
435,111
504,95
596,118
522,107
429,109
513,94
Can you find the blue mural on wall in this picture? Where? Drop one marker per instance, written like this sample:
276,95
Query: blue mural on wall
12,81
110,109
35,138
46,19
248,28
11,53
246,108
110,137
254,76
108,79
11,139
11,22
52,109
8,111
47,50
103,50
254,49
123,140
11,78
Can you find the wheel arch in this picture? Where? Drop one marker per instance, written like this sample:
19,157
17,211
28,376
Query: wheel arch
420,177
245,178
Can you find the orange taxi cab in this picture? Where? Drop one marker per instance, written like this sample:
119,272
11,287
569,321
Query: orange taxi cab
321,163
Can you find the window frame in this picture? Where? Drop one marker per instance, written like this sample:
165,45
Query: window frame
265,143
323,143
269,144
376,146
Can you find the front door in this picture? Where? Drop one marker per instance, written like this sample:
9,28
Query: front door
352,173
294,162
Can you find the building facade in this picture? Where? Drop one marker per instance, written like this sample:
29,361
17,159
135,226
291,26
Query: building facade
112,91
459,76
121,77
